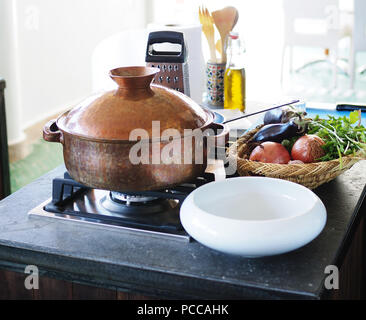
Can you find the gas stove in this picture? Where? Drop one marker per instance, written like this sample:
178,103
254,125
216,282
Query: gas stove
154,213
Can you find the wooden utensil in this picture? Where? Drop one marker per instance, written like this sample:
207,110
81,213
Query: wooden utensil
236,19
207,22
224,20
218,45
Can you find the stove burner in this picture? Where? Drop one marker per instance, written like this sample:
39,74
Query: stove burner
130,199
119,204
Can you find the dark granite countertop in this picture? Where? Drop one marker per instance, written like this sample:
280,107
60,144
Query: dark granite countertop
169,268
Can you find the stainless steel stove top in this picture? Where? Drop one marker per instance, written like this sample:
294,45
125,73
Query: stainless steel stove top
40,212
154,213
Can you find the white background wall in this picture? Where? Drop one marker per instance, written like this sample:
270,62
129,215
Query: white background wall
46,48
260,24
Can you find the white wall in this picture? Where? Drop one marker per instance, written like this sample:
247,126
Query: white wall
9,70
46,48
260,24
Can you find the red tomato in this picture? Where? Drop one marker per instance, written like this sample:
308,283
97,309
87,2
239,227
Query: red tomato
308,149
270,152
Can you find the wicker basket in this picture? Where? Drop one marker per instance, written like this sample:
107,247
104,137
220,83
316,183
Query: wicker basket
310,175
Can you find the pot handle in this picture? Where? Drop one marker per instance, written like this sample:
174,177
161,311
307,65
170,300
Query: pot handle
222,138
51,132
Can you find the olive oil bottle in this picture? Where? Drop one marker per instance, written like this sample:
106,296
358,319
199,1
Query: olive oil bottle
234,79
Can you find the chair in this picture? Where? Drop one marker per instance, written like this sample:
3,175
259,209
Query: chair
320,18
358,43
4,156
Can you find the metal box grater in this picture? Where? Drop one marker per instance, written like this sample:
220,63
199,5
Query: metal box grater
172,64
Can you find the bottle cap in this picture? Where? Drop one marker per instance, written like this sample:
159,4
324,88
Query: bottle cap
233,35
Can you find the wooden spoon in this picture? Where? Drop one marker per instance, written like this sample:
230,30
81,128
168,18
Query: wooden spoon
218,44
236,19
225,19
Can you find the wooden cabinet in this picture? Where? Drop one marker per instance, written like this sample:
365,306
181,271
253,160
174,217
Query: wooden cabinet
4,155
12,288
352,267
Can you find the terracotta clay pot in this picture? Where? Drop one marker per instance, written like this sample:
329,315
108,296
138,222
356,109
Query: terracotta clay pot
97,135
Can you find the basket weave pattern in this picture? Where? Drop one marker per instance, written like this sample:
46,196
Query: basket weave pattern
310,175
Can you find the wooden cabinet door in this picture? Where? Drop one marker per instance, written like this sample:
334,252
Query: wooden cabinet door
12,288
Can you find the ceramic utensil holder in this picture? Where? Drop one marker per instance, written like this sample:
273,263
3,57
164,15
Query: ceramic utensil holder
215,83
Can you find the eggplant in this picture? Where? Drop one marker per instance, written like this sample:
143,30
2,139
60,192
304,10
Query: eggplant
277,132
274,116
281,115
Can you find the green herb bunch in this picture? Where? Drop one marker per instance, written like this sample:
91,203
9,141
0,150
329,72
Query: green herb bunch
343,136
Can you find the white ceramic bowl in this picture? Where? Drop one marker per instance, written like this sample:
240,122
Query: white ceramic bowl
253,216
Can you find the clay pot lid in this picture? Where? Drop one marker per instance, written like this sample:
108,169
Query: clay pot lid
134,105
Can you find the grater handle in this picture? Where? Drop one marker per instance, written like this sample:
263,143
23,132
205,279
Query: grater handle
170,37
166,36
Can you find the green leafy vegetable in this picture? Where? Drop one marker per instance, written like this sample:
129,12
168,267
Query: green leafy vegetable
341,135
289,143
